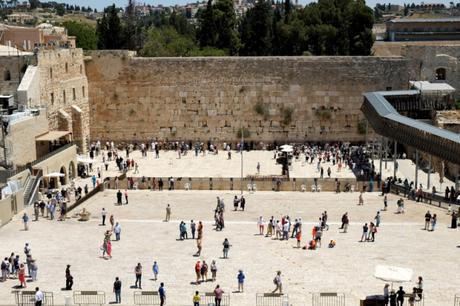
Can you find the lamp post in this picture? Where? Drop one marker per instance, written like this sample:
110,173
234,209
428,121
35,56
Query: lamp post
241,150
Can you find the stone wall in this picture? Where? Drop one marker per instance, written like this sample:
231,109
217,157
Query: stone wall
12,68
273,98
63,86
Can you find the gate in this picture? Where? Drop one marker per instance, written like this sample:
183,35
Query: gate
272,299
328,299
146,298
27,298
89,298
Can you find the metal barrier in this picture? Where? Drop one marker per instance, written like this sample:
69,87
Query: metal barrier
26,298
457,300
328,299
146,298
89,297
208,298
272,299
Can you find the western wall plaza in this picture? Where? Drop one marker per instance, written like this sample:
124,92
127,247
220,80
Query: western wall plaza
304,180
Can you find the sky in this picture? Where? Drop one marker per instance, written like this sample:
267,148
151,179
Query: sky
100,4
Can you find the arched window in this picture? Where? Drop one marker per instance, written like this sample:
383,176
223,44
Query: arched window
440,74
66,68
7,75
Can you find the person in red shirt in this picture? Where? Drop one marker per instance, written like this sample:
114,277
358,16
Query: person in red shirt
198,271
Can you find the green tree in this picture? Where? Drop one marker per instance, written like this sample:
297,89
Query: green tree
256,30
109,30
85,34
60,9
166,41
218,27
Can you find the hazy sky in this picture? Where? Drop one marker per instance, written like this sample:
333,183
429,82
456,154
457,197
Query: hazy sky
100,4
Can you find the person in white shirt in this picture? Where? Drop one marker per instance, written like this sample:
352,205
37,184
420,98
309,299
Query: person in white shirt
38,297
117,231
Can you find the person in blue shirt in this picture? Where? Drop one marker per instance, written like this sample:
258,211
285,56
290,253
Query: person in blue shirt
155,270
241,278
162,294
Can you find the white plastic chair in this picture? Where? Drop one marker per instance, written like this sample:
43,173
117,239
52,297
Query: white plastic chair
313,188
318,188
352,188
303,188
187,186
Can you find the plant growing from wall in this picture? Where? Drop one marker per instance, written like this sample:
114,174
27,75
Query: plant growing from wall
362,127
245,132
287,113
261,109
324,113
457,104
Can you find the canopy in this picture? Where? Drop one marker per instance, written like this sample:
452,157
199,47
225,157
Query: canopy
287,148
428,87
393,274
54,174
85,160
52,135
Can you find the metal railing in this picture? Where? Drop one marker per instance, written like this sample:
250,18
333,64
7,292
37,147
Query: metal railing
52,153
208,298
328,299
146,298
272,299
457,300
27,298
89,297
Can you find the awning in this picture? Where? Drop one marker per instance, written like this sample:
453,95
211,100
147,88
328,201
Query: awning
55,174
393,274
428,87
52,135
85,160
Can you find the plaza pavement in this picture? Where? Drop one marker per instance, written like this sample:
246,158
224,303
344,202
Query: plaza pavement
217,166
347,268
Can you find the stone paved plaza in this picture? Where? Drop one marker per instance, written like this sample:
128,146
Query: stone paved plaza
216,166
347,268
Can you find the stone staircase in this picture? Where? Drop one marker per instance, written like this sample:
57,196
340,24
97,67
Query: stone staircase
31,188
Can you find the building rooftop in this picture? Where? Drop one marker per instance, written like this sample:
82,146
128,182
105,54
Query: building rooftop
424,20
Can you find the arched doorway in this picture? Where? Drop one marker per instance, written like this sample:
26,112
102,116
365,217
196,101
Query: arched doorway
71,170
440,74
63,179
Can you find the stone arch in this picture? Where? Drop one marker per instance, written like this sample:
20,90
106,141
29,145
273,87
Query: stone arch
7,75
440,73
72,171
63,179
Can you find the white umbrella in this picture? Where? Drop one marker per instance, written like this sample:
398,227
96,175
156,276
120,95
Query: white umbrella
286,146
54,174
393,274
288,150
85,160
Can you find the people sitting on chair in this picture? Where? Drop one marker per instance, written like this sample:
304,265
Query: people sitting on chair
331,244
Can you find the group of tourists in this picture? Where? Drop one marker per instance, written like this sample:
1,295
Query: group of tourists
13,268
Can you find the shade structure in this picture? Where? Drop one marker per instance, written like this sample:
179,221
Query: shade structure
393,274
286,148
54,174
85,160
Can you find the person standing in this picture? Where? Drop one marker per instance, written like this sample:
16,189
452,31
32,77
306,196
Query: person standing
377,219
103,215
126,196
119,195
427,220
198,272
22,276
193,228
117,290
365,231
138,273
433,222
226,245
260,224
386,294
218,293
38,297
162,294
242,203
213,270
156,270
361,200
240,278
117,231
196,299
258,168
25,220
68,279
278,283
385,202
34,269
168,213
400,296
